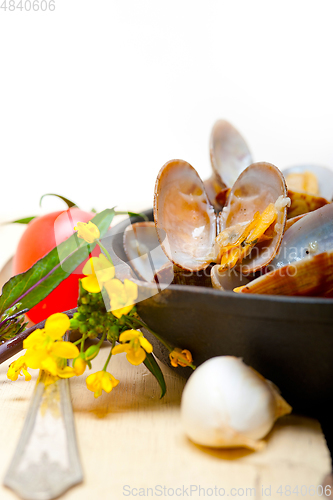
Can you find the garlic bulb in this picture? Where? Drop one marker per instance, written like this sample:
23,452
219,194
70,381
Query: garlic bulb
225,403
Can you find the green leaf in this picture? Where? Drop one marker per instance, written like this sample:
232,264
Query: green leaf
20,221
69,203
133,214
103,220
34,285
153,367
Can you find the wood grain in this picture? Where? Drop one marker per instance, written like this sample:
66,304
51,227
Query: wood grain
132,439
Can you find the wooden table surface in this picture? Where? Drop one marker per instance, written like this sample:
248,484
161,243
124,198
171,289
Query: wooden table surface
130,439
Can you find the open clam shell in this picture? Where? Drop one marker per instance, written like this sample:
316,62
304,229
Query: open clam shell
257,186
312,276
182,211
304,264
302,203
143,250
213,187
309,188
310,235
229,153
323,175
227,280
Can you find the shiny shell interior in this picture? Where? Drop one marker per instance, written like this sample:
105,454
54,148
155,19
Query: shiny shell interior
229,153
257,186
310,235
182,212
227,280
143,250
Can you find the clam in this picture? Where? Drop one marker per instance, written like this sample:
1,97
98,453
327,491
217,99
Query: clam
229,153
143,250
309,188
256,211
302,203
213,187
182,211
259,186
227,280
291,222
310,235
149,262
304,265
311,276
320,180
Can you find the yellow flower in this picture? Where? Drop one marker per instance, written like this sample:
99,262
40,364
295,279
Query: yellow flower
15,369
45,350
88,231
102,380
79,365
181,358
122,296
136,346
98,270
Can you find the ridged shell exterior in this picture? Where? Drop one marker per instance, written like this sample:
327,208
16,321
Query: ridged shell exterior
312,276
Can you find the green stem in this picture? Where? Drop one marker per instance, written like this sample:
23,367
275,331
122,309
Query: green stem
102,340
109,356
133,214
83,339
104,250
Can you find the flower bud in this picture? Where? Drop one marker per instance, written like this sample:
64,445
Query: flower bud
91,352
83,328
79,365
74,324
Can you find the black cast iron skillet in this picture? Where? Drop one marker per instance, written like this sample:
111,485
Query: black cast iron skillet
289,340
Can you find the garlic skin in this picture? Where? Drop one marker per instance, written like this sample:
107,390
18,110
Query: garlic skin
225,403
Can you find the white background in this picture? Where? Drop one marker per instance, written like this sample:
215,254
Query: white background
96,96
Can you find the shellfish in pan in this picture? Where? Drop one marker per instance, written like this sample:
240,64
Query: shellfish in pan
182,211
229,156
143,250
254,217
304,265
309,187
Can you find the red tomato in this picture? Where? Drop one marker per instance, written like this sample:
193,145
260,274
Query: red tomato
42,235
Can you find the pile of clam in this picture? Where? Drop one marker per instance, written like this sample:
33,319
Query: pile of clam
249,228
